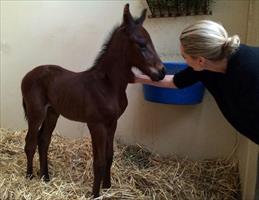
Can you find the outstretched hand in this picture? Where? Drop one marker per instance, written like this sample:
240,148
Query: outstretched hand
167,82
141,78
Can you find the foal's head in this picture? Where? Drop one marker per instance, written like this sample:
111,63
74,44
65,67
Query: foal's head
142,53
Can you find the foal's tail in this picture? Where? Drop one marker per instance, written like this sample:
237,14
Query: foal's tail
25,111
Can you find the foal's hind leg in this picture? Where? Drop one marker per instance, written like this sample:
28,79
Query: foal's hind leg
35,118
44,139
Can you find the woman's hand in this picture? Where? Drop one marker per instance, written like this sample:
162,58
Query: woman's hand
167,82
141,78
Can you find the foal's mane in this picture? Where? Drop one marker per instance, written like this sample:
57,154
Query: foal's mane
107,43
105,47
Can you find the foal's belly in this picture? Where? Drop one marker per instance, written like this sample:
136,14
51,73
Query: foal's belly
88,113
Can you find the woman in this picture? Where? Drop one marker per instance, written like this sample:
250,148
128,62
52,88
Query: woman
228,69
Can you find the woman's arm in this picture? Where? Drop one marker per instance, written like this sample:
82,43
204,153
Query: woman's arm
167,82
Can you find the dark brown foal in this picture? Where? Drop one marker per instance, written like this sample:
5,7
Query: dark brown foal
96,96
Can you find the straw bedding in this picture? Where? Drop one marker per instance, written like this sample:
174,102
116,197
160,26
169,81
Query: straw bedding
136,173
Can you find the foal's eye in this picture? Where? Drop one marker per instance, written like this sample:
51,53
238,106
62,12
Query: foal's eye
142,46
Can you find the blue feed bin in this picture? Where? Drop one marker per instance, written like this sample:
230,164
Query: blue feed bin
187,96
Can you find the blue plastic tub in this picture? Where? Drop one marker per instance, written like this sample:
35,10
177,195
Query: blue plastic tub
187,96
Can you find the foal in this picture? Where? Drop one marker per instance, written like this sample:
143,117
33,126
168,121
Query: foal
96,96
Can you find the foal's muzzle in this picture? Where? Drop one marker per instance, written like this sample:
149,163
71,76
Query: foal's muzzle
158,75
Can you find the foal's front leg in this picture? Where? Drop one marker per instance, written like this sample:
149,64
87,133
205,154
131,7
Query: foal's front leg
109,153
99,136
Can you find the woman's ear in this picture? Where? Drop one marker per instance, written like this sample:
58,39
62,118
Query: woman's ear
202,61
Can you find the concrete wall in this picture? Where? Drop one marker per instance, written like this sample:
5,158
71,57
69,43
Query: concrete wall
70,34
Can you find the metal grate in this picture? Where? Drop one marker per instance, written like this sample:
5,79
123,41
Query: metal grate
176,8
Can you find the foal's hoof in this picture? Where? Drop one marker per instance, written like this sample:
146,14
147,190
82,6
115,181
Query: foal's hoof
45,178
29,176
106,185
96,196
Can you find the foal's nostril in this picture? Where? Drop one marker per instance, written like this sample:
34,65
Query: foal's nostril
162,73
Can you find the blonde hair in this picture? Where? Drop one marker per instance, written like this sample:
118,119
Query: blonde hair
208,39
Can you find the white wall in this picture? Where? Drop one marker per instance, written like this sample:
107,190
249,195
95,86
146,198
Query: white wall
70,34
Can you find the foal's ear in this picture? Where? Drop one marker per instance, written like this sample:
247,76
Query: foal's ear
127,18
142,18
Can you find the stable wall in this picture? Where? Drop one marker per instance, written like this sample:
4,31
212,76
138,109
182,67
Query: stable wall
70,34
247,152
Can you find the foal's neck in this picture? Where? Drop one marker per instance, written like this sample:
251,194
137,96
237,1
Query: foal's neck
114,61
117,70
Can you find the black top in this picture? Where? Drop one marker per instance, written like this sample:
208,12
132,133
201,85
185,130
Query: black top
236,92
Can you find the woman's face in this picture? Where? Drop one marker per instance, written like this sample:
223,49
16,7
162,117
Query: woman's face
197,63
